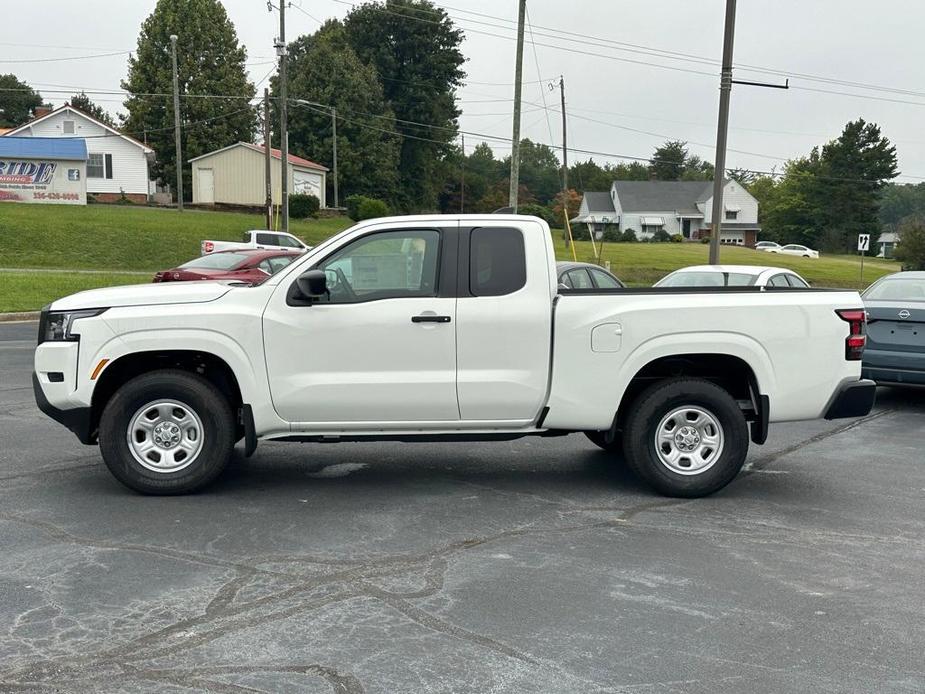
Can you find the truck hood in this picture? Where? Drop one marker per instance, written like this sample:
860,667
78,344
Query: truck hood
144,295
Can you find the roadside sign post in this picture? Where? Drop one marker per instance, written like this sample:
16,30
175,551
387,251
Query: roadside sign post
863,247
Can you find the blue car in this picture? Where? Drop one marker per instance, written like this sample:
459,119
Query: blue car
895,352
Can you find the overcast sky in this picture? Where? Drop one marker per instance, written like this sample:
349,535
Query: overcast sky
610,95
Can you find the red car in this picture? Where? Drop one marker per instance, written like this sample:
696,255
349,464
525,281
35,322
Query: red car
245,265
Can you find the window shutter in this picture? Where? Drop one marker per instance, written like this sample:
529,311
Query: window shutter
108,166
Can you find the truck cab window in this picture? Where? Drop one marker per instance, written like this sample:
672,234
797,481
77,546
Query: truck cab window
387,265
497,262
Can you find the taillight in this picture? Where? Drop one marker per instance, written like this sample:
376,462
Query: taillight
857,335
208,246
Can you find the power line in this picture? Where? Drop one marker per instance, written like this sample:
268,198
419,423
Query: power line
58,60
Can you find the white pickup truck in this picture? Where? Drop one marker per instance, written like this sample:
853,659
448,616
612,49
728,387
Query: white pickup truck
255,238
446,328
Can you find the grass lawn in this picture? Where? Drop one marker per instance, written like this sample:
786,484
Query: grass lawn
29,291
642,264
117,237
114,239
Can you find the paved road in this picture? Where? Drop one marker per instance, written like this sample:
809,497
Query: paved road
529,566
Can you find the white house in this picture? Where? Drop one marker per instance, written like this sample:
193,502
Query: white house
888,241
116,163
677,207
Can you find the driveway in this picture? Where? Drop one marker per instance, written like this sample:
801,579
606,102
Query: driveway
537,565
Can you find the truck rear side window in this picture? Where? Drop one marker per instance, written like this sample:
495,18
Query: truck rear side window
497,262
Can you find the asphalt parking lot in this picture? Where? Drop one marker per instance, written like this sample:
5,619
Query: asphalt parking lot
526,566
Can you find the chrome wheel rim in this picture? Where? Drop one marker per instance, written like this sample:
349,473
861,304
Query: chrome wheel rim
165,436
689,440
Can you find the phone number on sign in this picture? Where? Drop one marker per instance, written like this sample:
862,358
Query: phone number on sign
56,196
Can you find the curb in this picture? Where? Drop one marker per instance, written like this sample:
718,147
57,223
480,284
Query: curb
21,316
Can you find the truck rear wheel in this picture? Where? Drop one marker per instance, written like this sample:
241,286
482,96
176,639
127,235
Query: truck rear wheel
685,437
167,432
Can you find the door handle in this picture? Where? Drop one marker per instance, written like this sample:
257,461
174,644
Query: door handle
428,318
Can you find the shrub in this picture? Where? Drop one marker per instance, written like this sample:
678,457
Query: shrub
352,203
303,206
370,208
910,250
611,233
661,236
629,236
677,238
704,239
540,211
123,199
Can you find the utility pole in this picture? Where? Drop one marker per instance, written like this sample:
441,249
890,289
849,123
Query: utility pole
266,156
284,117
564,139
334,147
722,129
176,121
462,177
518,84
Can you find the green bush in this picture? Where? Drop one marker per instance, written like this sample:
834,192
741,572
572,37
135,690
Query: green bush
677,238
704,239
303,206
612,234
661,236
540,211
910,250
370,208
629,236
352,203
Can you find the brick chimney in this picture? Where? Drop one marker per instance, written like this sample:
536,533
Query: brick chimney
42,110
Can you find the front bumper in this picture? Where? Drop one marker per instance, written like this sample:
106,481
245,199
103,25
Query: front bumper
853,400
78,420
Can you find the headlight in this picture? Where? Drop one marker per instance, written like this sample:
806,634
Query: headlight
55,326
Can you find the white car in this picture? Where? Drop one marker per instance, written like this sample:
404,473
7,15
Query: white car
796,249
733,276
442,327
256,238
767,246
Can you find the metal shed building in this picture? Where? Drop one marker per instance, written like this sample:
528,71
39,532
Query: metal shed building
236,175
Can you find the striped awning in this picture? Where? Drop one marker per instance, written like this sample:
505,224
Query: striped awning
652,221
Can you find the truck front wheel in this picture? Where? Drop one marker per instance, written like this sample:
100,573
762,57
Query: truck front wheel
167,432
685,437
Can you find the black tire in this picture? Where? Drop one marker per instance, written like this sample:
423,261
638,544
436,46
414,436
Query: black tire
600,439
659,401
207,403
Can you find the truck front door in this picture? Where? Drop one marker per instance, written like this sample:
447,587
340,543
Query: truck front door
382,347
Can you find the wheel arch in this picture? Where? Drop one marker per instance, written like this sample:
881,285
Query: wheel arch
210,366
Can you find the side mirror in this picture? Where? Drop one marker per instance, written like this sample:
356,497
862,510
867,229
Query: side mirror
312,283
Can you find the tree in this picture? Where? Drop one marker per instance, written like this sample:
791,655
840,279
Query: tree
18,101
851,172
910,250
324,69
210,61
898,201
588,175
83,103
539,170
415,49
572,205
668,162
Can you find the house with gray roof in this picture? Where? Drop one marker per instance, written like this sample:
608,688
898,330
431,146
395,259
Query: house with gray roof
677,207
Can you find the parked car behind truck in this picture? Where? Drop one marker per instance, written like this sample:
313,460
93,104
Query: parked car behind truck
442,327
256,238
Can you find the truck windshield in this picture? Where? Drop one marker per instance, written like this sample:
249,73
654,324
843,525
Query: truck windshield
216,261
